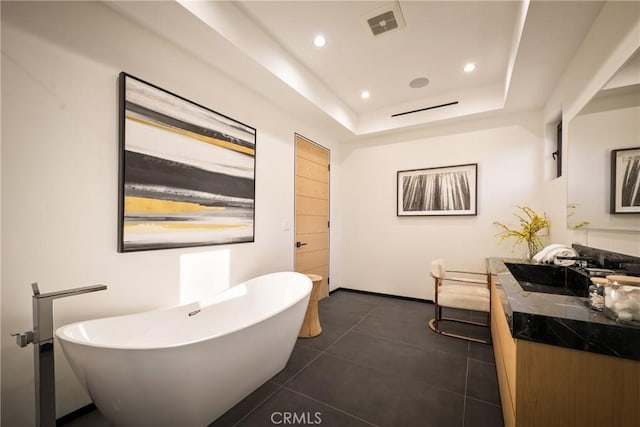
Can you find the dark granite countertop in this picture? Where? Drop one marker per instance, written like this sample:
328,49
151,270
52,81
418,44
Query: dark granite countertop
561,320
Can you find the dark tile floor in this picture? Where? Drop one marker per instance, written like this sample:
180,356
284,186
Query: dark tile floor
375,364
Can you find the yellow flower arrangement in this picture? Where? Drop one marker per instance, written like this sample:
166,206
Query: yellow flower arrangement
531,224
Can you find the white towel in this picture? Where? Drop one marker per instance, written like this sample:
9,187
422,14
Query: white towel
543,254
548,255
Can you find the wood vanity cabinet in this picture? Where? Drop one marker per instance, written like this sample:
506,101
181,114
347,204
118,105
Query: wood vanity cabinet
543,385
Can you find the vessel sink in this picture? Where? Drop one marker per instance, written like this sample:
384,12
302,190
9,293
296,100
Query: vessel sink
549,279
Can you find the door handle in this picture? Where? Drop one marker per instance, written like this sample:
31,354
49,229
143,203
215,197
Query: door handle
300,244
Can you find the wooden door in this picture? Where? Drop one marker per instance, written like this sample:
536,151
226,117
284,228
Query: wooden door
312,211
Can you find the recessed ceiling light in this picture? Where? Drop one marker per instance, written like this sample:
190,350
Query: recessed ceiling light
469,67
419,82
364,94
319,41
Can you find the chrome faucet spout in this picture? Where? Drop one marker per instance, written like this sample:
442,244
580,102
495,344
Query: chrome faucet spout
65,292
43,309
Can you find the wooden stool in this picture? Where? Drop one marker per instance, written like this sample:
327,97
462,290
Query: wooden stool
311,325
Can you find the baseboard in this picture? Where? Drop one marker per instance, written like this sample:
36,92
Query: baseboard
380,294
71,416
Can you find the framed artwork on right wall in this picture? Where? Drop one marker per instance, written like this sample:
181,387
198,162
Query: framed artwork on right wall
625,181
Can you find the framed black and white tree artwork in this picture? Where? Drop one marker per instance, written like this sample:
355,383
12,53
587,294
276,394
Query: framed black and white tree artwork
438,191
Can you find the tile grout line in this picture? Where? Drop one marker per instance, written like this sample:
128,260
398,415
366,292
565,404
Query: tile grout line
482,361
278,388
437,388
367,315
408,344
484,401
397,341
326,352
283,386
330,406
321,352
295,374
466,385
350,329
345,333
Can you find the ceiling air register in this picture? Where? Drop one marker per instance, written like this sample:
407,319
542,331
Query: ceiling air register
385,19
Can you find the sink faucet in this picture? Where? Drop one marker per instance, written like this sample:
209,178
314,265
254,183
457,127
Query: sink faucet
42,338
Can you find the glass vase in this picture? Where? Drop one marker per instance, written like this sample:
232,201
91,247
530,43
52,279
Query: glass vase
533,248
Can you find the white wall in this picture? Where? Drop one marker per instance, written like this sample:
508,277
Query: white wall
389,254
612,39
60,62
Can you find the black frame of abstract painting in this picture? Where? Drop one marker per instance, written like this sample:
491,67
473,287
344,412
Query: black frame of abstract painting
413,186
186,172
625,195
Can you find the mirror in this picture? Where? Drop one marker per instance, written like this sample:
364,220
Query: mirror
610,121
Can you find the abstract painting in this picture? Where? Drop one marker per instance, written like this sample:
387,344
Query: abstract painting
625,180
187,173
447,190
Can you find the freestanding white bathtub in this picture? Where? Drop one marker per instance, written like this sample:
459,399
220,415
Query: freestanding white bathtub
187,365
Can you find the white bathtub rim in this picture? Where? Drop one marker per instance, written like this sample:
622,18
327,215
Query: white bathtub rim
59,333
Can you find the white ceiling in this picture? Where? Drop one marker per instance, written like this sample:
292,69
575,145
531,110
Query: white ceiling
520,50
439,38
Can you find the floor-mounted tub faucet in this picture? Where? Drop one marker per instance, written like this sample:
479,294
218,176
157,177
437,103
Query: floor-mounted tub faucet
42,338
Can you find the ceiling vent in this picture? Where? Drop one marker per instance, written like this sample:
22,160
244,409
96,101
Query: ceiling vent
385,19
425,109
